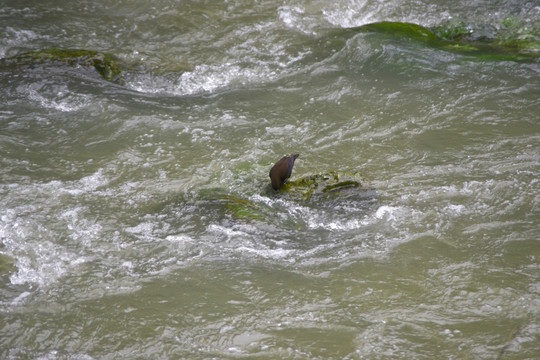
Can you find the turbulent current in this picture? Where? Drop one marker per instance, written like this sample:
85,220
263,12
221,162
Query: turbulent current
137,220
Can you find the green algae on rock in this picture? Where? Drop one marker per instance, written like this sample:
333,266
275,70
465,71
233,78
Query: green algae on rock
455,37
108,66
453,30
401,29
511,37
331,182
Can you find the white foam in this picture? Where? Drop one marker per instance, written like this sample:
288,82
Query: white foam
21,298
92,182
42,254
42,263
207,78
86,184
62,99
267,253
356,14
229,232
145,228
290,15
456,209
281,130
317,222
386,212
180,238
202,79
13,38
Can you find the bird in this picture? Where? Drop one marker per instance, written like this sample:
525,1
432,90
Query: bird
282,170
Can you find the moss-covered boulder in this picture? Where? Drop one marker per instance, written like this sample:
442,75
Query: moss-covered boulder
321,189
512,42
511,36
332,183
108,66
400,29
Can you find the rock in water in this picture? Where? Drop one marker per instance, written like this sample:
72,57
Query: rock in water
282,170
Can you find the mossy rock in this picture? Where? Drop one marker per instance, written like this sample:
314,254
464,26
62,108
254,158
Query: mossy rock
334,183
519,36
108,66
453,30
512,37
400,29
331,185
414,32
522,45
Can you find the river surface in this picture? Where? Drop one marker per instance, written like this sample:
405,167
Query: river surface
118,235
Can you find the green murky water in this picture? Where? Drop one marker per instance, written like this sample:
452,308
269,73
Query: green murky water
136,214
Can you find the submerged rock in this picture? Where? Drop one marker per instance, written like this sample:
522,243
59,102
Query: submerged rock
108,66
240,208
235,206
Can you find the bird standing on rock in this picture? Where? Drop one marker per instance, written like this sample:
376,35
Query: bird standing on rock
282,170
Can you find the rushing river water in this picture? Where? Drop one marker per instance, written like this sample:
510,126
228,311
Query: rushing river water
136,215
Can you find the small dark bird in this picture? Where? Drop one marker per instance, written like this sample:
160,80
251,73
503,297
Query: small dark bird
282,170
